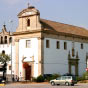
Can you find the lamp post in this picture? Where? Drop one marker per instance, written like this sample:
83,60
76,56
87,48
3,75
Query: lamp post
11,55
11,21
10,40
11,59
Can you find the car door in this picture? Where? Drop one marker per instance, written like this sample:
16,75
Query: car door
63,79
58,80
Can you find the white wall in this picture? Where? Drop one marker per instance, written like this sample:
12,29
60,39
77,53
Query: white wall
56,60
28,53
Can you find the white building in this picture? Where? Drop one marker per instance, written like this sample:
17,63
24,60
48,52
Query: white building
42,46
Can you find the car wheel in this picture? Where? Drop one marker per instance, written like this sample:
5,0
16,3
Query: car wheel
67,84
72,84
52,83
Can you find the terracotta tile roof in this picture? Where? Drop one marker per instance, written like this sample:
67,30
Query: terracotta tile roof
64,28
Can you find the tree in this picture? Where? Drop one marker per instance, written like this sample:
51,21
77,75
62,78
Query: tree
4,58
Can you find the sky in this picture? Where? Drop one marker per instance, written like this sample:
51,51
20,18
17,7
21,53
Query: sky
74,12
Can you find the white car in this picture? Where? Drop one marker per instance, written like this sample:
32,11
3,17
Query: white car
67,80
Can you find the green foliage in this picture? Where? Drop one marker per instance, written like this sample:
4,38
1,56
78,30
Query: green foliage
34,79
4,58
53,76
85,76
47,78
40,78
80,78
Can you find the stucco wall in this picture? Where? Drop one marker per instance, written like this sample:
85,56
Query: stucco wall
56,60
28,53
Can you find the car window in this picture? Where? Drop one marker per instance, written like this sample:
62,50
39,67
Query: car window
68,77
63,77
59,78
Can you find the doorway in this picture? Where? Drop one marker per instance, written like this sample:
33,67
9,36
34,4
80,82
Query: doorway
73,70
28,73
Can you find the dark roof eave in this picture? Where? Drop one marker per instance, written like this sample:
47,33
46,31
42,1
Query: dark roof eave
25,32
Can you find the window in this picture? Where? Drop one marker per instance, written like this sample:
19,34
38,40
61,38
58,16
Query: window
10,39
73,49
1,40
9,67
59,78
5,39
28,43
65,45
81,46
63,78
58,45
68,77
3,52
47,43
28,22
73,52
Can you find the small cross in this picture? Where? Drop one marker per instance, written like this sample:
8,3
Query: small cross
4,24
28,5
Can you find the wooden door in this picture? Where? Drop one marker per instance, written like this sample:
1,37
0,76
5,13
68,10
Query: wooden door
28,73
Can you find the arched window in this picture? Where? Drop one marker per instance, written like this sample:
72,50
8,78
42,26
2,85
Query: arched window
5,39
10,39
81,45
3,52
1,40
28,22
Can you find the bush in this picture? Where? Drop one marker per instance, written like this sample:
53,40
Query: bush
54,76
34,79
40,78
50,77
85,76
80,78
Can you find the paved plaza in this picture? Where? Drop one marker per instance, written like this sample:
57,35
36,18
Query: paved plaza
43,86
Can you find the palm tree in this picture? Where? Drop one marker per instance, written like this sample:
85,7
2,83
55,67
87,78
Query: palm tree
4,58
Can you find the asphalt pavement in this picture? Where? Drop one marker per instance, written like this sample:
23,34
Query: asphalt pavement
42,85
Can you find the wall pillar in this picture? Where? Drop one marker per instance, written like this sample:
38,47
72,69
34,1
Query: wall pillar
40,56
17,57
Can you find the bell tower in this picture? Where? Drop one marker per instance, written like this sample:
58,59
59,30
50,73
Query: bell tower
29,19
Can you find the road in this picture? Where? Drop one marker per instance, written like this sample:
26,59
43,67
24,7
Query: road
43,86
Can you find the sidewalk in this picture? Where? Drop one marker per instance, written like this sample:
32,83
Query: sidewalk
27,83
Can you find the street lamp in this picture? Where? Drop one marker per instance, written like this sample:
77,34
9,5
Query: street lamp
10,40
11,21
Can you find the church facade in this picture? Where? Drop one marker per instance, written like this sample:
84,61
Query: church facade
41,46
